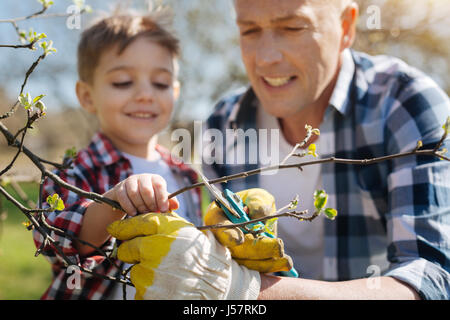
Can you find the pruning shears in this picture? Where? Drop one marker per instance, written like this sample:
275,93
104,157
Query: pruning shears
233,207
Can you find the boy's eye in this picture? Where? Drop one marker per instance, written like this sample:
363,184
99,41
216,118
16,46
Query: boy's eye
123,84
161,86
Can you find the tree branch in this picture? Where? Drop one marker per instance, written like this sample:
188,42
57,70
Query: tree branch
428,152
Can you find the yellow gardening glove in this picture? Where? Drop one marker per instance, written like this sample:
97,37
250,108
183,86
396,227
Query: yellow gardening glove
262,254
174,260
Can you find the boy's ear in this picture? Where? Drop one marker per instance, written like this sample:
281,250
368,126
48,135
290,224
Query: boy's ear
84,95
176,89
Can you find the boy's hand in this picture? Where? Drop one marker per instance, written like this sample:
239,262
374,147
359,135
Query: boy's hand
143,193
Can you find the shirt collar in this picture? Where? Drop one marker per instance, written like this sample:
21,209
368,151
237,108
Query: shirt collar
243,111
104,153
342,93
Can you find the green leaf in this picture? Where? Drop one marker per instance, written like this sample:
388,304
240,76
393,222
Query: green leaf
269,226
316,132
113,254
330,213
39,97
47,46
60,205
442,152
446,126
70,153
23,36
293,205
5,181
27,224
320,199
419,144
88,8
46,3
55,202
312,150
79,3
41,106
25,100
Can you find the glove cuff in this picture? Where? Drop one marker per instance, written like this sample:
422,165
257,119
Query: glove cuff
245,283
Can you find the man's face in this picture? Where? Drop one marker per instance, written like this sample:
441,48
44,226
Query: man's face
290,49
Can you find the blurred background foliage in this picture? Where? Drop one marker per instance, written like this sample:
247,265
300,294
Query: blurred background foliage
416,31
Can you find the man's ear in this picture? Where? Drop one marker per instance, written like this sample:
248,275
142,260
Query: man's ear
176,89
84,94
349,19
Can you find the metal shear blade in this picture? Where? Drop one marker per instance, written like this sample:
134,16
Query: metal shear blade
219,196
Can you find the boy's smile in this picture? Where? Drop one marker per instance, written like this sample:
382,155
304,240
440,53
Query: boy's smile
132,94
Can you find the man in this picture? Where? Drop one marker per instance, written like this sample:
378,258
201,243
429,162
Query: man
394,217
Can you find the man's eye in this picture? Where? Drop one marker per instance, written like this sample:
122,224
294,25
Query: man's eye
123,84
249,32
294,29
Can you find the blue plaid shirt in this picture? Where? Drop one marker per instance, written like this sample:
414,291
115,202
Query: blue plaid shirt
394,216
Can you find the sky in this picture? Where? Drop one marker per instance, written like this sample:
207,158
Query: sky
210,53
56,75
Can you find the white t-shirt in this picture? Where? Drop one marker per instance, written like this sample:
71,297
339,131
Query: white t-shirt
303,240
158,166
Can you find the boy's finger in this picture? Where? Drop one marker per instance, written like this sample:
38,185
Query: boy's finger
173,203
122,198
132,188
161,194
147,193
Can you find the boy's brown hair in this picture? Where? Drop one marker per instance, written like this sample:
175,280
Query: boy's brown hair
121,29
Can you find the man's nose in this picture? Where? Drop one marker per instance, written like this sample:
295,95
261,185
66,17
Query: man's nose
268,52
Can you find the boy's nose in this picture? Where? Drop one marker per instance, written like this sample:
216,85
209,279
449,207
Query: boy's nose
144,93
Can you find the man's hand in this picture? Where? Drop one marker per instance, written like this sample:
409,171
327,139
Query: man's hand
262,254
174,260
143,193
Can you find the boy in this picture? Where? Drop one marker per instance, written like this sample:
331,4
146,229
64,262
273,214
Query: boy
127,79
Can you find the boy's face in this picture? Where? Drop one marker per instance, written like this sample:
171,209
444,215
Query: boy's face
132,94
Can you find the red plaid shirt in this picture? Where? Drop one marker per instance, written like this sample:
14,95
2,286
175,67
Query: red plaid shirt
96,169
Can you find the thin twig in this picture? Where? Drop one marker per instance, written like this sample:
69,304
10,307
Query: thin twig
31,16
428,152
39,15
18,46
293,214
309,132
277,214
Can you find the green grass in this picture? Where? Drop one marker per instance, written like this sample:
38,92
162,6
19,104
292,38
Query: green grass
22,275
